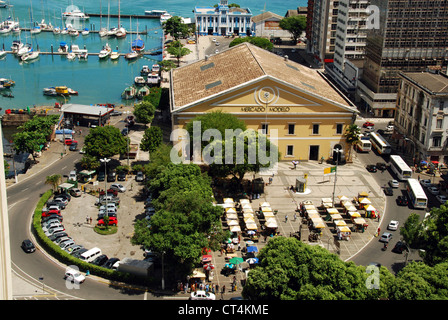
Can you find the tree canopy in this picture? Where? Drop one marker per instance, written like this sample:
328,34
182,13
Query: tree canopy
144,111
295,25
104,142
176,28
177,49
257,41
152,139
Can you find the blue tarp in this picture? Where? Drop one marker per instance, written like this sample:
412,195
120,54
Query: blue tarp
137,43
67,131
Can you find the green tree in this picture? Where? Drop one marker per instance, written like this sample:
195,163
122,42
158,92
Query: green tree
89,162
167,65
175,27
177,49
44,125
6,167
159,158
352,137
144,112
411,231
289,269
152,139
105,142
257,41
54,181
295,25
29,142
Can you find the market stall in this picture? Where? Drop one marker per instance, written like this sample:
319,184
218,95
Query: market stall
343,232
371,212
360,224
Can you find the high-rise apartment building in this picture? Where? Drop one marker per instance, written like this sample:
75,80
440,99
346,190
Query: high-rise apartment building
321,30
408,36
350,44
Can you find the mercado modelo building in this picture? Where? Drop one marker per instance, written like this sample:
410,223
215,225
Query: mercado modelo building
268,92
223,20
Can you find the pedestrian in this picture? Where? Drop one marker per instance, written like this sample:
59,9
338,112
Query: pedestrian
186,287
239,246
222,291
62,155
87,219
295,217
286,218
217,288
270,180
90,220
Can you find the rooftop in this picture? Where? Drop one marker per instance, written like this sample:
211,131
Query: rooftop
432,82
265,16
240,65
89,110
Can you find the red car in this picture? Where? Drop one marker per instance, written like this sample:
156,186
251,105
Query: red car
69,141
112,221
368,124
47,213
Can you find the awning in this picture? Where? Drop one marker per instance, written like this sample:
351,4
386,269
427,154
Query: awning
66,186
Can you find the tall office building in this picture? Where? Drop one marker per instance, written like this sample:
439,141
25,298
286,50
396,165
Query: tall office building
321,30
405,35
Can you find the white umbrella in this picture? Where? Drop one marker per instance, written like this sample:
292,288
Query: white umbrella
340,223
365,201
343,198
232,223
266,209
246,206
265,204
336,216
232,216
370,208
313,215
332,210
244,201
228,200
359,221
248,210
249,220
235,229
230,210
251,226
268,214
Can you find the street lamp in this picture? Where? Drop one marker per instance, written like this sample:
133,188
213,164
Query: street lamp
105,161
413,148
338,153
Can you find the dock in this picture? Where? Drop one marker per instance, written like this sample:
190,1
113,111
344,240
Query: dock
133,16
90,31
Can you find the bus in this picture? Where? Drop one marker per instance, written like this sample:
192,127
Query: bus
401,169
363,144
417,195
379,143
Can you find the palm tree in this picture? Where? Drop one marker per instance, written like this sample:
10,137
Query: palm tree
54,181
352,137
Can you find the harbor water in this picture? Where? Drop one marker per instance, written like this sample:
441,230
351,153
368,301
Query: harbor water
96,81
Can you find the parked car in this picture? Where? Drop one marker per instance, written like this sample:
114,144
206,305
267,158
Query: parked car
381,166
60,202
111,176
74,276
368,124
73,147
139,177
63,195
73,248
202,295
434,190
54,230
52,217
109,263
61,239
69,141
65,244
393,225
75,192
51,225
125,131
58,235
116,113
402,201
28,246
110,214
385,237
388,191
78,253
117,186
112,221
390,128
441,198
50,213
394,184
371,168
425,182
121,176
399,247
100,260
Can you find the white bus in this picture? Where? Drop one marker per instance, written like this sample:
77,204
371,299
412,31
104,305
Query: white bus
379,143
363,144
401,169
417,195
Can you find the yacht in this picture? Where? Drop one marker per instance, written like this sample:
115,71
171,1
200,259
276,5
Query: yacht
131,55
2,53
71,56
139,81
138,45
76,14
121,33
85,32
164,17
63,47
114,55
35,30
29,56
16,45
24,50
8,25
3,4
112,32
105,52
103,32
145,71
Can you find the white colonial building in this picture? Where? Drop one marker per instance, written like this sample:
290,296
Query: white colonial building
421,119
223,21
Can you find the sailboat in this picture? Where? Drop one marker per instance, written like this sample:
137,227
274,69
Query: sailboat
138,44
121,32
103,31
30,55
34,29
132,54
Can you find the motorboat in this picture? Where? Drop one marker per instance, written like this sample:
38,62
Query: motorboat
131,55
62,90
7,94
3,4
73,32
145,71
155,68
164,17
85,32
83,56
138,45
155,13
50,91
63,47
71,55
72,92
56,30
29,56
142,92
64,31
16,45
2,54
8,25
75,14
114,55
6,83
77,50
153,79
129,93
105,52
139,81
112,32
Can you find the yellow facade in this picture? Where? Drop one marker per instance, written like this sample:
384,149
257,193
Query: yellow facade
307,126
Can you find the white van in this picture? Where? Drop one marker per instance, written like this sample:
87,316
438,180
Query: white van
72,176
90,255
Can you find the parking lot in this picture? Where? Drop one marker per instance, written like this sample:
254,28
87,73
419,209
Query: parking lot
80,217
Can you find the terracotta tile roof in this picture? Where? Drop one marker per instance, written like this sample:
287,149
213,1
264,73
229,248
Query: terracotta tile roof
241,64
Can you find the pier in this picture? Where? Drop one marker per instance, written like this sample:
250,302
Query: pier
90,31
133,16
